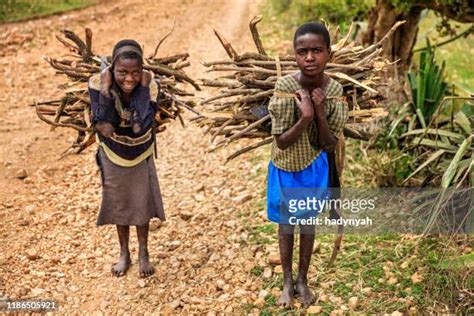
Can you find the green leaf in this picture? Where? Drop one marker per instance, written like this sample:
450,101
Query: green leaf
462,121
435,144
432,158
451,171
462,167
462,261
439,132
421,117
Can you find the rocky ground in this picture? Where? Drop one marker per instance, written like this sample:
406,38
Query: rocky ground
50,247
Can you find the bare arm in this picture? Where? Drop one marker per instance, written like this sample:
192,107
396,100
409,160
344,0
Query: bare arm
289,137
326,139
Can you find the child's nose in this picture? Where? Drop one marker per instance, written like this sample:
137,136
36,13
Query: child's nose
309,56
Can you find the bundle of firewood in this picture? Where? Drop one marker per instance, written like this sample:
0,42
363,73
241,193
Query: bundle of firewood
239,109
73,109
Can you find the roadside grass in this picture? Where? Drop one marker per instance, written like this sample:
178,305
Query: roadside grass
19,10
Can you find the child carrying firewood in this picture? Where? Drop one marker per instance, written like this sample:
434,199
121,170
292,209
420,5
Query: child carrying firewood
307,112
124,100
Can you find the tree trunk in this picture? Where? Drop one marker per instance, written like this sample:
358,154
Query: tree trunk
399,47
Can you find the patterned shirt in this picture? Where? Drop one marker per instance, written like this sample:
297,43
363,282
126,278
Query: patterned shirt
284,114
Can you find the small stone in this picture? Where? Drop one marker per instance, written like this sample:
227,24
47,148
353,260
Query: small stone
367,290
392,280
174,244
274,259
30,209
141,283
314,309
161,255
240,293
353,301
175,304
32,254
24,222
220,284
37,292
263,294
21,174
278,269
324,298
185,215
396,313
154,225
199,197
267,273
241,199
259,302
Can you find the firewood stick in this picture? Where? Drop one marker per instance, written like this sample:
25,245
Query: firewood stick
163,39
248,128
230,94
255,35
249,148
221,128
44,119
169,72
227,46
169,59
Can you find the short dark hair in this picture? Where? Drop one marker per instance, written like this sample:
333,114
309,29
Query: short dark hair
313,28
128,54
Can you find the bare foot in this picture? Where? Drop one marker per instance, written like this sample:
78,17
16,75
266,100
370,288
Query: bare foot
306,295
120,268
145,268
286,297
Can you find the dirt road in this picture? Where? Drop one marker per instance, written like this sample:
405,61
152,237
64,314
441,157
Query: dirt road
50,247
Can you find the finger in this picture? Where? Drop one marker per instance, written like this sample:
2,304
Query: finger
298,102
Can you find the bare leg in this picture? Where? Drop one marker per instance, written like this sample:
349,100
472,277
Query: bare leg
306,249
285,241
144,266
120,268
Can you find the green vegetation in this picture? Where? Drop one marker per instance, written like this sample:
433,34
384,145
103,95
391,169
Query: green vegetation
336,12
456,54
18,10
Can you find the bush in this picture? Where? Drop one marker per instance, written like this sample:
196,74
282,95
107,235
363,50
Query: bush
337,12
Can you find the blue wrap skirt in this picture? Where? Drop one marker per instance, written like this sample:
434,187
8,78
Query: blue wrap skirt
291,194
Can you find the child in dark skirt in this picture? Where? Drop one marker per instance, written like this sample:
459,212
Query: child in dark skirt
307,112
124,100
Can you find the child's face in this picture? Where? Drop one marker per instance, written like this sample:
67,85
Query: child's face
312,54
127,73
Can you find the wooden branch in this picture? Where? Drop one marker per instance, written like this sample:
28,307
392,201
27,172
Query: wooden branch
249,148
170,72
255,35
228,48
163,39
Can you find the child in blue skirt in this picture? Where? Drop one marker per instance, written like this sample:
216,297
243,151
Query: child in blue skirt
307,112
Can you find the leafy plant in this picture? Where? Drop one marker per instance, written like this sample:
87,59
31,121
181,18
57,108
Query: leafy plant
427,85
